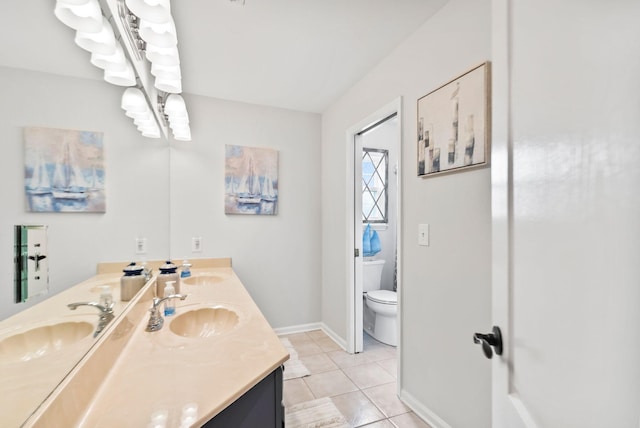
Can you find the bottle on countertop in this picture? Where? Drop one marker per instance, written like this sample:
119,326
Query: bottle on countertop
146,271
168,272
186,269
131,282
170,304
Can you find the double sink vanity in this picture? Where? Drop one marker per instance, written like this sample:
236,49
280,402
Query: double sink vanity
211,362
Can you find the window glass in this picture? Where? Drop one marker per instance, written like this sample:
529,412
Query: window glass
374,185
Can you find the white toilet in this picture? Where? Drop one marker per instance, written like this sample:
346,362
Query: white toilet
381,308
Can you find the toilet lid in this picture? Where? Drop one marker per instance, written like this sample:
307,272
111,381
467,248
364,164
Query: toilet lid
387,297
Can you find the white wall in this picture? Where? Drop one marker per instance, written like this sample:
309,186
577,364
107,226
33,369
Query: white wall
385,136
446,290
276,257
136,180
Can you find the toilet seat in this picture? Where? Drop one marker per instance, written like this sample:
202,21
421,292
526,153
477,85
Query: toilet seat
385,297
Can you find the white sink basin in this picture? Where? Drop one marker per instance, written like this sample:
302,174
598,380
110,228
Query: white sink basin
114,285
202,279
41,341
205,322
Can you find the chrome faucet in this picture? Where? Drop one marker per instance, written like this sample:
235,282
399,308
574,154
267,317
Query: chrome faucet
106,314
155,319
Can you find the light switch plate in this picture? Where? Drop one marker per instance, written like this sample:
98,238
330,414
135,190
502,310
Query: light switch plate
141,245
196,244
423,235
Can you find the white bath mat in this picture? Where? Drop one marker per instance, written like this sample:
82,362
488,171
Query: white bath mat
320,413
293,367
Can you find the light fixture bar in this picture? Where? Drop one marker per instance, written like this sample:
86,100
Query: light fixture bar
135,43
129,39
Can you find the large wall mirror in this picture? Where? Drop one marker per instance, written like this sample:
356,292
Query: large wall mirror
137,202
136,185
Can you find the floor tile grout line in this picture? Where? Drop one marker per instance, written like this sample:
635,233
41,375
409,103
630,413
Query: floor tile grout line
361,390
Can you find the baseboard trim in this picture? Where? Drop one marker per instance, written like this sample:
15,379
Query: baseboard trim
422,411
301,328
336,338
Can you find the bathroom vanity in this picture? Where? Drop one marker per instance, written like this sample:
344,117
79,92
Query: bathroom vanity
216,362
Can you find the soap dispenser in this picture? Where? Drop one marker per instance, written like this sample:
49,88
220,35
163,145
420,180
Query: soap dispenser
168,272
186,269
106,297
169,304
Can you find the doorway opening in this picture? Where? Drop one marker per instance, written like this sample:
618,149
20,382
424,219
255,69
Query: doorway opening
374,147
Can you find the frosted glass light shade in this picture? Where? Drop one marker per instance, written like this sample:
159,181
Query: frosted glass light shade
145,122
114,62
127,77
172,86
163,56
103,42
161,35
157,11
137,115
149,130
133,100
175,105
151,133
176,110
166,71
85,17
176,122
183,135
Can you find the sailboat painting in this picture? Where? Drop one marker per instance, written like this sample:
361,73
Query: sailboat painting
251,180
64,170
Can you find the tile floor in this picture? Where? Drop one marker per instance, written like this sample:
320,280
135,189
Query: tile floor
361,386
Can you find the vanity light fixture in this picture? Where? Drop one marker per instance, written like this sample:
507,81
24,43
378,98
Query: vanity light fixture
136,107
135,42
176,112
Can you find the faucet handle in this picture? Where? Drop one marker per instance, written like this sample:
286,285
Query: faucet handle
155,319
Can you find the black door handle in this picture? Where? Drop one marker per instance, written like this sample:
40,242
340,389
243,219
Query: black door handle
487,341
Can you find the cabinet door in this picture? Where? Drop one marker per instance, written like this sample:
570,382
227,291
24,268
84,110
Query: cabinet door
261,406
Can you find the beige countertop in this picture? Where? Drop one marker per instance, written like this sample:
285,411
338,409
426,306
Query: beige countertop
29,377
139,378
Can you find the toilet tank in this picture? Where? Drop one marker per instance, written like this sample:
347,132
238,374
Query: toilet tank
371,274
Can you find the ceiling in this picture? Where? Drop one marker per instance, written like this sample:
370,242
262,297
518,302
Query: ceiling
294,54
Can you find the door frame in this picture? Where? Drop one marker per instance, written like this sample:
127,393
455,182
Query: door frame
354,265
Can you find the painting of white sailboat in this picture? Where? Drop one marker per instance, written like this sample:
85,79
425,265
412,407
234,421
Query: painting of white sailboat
251,180
64,170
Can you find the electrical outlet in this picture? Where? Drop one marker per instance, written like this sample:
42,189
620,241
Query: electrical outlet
423,235
196,244
141,245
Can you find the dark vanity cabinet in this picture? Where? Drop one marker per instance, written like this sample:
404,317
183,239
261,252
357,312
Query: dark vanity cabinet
260,407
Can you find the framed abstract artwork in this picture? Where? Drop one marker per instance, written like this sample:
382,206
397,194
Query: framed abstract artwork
454,124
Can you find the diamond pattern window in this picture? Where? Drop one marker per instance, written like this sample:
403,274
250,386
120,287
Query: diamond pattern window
375,163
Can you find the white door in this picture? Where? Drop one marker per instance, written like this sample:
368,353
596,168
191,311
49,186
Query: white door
566,213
